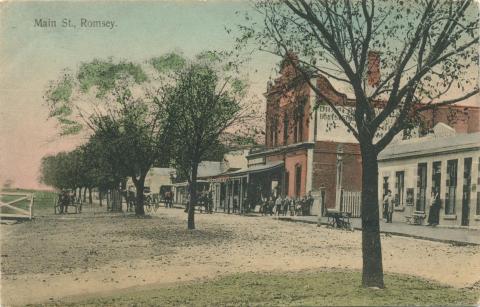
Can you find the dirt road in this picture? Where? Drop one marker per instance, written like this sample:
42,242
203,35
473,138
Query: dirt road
55,257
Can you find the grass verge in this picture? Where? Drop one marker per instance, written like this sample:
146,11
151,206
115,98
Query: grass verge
328,288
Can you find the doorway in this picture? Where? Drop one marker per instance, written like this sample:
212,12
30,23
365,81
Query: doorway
421,186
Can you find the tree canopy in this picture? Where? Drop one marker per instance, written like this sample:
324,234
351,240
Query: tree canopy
202,104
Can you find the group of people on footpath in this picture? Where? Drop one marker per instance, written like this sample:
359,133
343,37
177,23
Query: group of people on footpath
433,212
204,202
284,205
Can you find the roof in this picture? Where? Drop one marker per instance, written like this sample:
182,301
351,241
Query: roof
209,168
161,171
254,169
431,145
262,151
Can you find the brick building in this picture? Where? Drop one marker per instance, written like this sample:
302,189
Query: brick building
316,151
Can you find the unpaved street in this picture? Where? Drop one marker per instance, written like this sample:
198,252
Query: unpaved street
60,256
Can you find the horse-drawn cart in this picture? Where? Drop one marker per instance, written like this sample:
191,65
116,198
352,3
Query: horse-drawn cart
66,200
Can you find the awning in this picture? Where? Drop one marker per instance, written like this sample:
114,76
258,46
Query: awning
185,183
257,169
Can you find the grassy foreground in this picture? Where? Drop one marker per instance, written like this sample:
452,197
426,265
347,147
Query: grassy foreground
330,288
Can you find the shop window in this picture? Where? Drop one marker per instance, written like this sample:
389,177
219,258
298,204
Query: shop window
452,166
436,177
399,188
385,185
421,186
467,181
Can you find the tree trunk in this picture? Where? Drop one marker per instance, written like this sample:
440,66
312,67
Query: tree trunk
139,186
100,197
90,199
108,199
84,195
372,275
193,197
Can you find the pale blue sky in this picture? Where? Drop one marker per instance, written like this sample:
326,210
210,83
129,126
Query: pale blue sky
31,56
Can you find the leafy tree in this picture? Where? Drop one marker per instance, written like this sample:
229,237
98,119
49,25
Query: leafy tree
133,139
426,49
125,116
201,105
107,173
65,170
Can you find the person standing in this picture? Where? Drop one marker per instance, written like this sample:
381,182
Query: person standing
434,211
309,203
285,205
388,205
278,205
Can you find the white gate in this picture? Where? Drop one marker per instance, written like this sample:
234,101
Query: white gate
351,202
16,205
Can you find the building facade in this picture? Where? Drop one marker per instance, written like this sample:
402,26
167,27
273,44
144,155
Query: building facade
316,149
441,169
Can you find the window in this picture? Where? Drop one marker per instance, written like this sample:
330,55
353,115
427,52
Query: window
295,133
273,132
421,186
272,128
298,179
452,166
300,128
385,185
467,181
399,188
436,176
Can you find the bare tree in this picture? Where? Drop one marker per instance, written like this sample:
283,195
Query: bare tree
424,48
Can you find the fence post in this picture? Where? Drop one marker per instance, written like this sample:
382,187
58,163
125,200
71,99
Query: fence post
32,201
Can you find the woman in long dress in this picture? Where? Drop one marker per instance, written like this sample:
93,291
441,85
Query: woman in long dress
434,211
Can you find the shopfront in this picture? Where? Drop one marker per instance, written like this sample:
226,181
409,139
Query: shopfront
433,172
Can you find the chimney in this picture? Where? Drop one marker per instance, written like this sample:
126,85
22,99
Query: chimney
373,68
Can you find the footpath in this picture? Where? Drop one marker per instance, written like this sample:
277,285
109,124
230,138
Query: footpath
455,236
458,236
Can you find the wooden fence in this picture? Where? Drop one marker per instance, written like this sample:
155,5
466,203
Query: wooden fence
351,201
16,205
